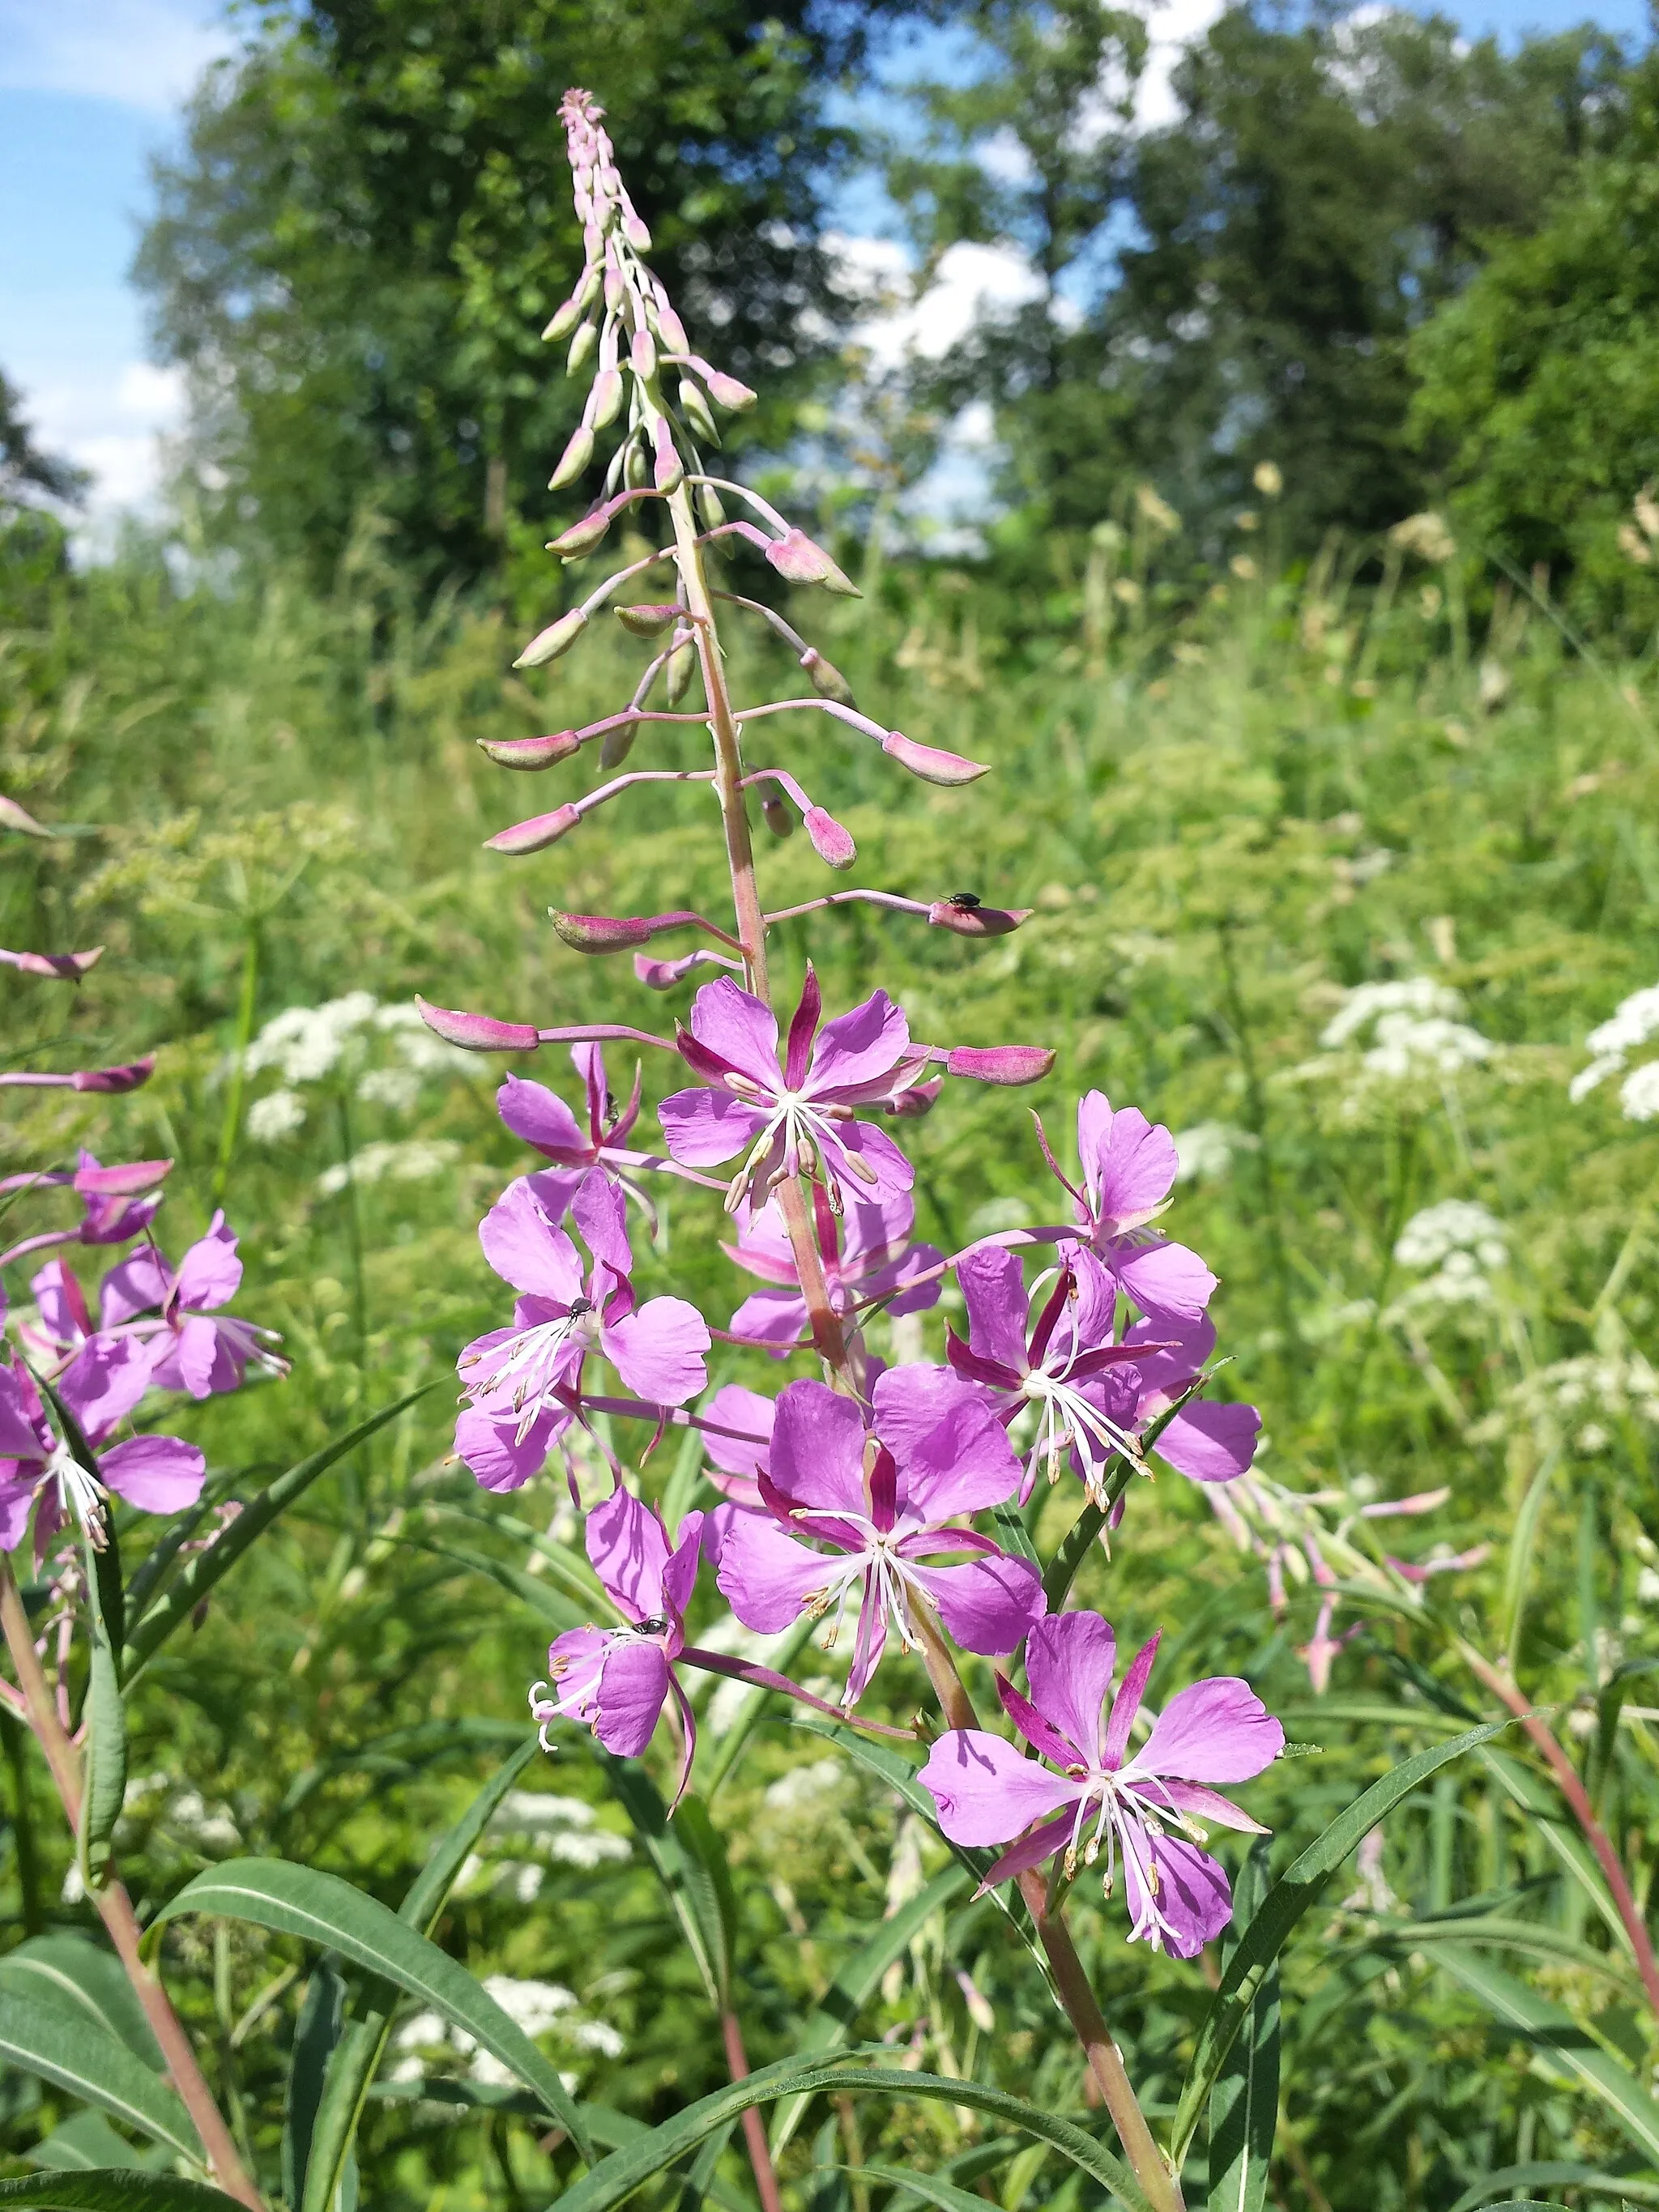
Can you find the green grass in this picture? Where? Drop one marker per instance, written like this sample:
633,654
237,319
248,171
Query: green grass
1222,823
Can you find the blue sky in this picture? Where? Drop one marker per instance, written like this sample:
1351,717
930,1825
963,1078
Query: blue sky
89,90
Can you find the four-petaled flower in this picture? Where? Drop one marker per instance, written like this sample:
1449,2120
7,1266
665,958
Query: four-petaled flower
1147,1805
795,1115
869,1254
192,1345
524,1382
1129,1167
884,1503
616,1679
99,1387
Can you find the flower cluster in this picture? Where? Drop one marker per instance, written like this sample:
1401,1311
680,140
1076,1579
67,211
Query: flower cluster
1633,1024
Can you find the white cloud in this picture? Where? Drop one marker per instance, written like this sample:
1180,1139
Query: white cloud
111,420
971,283
1173,25
145,54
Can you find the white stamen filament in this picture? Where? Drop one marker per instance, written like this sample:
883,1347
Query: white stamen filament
529,1361
889,1577
79,1497
1129,1797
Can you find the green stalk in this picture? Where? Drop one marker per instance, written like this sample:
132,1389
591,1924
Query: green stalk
230,1127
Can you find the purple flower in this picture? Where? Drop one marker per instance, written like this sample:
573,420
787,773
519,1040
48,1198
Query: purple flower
738,1437
884,1503
795,1116
100,1386
870,1257
524,1382
192,1345
543,1119
1093,1396
1147,1805
616,1679
106,1193
1129,1167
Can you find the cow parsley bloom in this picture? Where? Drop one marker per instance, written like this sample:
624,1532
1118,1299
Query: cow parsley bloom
1633,1023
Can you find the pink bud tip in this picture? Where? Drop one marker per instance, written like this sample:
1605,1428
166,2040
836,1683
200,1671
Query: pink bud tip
557,638
976,921
574,460
478,1032
831,841
1001,1063
582,536
726,391
14,817
601,933
643,353
663,974
67,966
124,1182
916,1099
530,752
636,234
532,836
113,1078
800,560
667,468
931,762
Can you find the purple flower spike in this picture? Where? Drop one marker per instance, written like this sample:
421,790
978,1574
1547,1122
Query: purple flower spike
1148,1805
101,1386
191,1345
868,1255
616,1679
478,1032
1129,1172
794,1115
885,1504
524,1382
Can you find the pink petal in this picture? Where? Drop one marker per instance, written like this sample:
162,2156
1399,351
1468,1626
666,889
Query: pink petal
1216,1730
765,1576
1165,1374
575,1660
628,1547
763,1247
1194,1896
139,1284
158,1474
741,1028
1069,1658
659,1351
599,1212
193,1362
679,1576
921,1260
526,1249
736,1461
1031,1851
993,1284
703,1128
772,1317
1126,1704
1209,1805
493,1451
854,1055
540,1118
16,1496
985,1792
1166,1281
209,1274
1128,1163
103,1383
62,1304
1210,1442
818,1447
1038,1732
893,1172
987,1605
953,1453
18,1437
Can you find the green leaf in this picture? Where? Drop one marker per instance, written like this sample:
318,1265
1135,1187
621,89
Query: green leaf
831,2022
86,2143
105,1786
120,2189
315,2038
1013,1534
1555,2173
78,2054
1544,1809
625,2170
931,2188
549,1606
321,1909
1558,2036
1498,1931
83,1979
207,1569
1244,2102
1282,1906
691,1862
356,2057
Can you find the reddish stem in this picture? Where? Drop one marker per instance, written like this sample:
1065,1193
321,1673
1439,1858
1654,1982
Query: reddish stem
754,2128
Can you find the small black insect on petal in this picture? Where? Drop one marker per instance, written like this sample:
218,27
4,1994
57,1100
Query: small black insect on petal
968,899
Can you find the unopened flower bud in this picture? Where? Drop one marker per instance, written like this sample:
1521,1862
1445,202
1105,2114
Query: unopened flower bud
574,460
726,391
477,1032
635,231
540,831
682,665
530,752
972,920
127,1077
125,1181
670,329
580,346
558,637
564,318
916,1099
600,932
617,744
645,621
800,562
642,355
709,508
667,468
695,408
605,405
831,841
582,536
931,762
637,471
1010,1063
825,678
779,819
65,966
14,817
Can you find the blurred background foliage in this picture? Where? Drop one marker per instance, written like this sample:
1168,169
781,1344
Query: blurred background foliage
1311,646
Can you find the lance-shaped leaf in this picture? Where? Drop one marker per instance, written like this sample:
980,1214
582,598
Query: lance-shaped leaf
321,1909
206,1569
316,2035
1555,2173
78,2054
1244,2102
691,1862
86,2143
117,2189
81,1978
1282,1906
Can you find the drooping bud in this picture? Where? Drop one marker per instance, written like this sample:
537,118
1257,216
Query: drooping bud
636,470
600,932
779,819
580,346
535,835
663,974
825,678
800,562
582,536
726,391
635,231
831,842
695,408
709,508
14,817
645,621
477,1032
530,752
558,637
670,329
564,319
574,460
668,469
1010,1064
916,1099
67,967
682,666
642,355
126,1180
931,762
606,402
973,919
129,1078
617,744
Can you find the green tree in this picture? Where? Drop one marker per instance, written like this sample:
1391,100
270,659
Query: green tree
369,225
